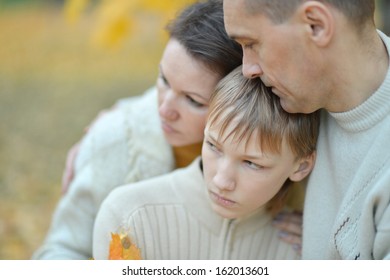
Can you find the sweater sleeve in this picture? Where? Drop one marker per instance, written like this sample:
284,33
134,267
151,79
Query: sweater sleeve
381,209
382,240
111,154
99,167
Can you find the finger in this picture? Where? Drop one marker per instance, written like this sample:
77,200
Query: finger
293,226
294,240
294,217
290,237
68,173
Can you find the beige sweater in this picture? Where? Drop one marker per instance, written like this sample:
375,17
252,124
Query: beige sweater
347,208
170,217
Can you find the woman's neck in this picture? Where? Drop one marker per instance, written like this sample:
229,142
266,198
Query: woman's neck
186,154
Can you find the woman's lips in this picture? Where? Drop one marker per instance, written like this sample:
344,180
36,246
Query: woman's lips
167,128
221,200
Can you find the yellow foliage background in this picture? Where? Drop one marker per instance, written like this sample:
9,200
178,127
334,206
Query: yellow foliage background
59,66
117,20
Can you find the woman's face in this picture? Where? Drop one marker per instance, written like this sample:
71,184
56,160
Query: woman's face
184,88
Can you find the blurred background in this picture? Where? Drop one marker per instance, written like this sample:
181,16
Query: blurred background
61,62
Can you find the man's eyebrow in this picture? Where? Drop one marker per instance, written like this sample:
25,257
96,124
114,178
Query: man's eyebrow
241,38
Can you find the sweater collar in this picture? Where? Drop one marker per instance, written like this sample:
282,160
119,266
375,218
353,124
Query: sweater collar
198,204
373,110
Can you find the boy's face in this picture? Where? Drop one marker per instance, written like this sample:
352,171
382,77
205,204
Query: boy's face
241,178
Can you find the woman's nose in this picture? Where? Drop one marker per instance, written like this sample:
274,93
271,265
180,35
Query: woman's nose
168,107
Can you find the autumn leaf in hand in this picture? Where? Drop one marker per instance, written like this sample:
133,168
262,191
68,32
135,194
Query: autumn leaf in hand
121,248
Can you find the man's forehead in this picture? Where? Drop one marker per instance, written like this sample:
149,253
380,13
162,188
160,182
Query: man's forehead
239,25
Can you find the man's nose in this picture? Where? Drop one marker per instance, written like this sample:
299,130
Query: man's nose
250,67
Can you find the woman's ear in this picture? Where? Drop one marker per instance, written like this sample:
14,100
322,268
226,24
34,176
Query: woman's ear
304,167
319,21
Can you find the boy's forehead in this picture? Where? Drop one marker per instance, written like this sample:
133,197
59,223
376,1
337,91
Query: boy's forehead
249,147
235,134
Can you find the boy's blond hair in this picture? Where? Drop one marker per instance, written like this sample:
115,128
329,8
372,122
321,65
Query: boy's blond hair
251,107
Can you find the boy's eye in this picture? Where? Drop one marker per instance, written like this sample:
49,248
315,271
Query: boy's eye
252,165
193,102
212,146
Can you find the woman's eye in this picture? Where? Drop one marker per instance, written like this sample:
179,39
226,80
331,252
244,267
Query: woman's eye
164,80
193,102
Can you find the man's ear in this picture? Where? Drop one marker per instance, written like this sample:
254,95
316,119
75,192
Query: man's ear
304,167
319,21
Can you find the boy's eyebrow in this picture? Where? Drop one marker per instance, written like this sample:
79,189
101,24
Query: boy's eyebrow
259,156
208,134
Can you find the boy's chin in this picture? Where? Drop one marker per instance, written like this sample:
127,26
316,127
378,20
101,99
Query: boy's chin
224,213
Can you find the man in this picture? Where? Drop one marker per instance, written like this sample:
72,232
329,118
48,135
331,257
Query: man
329,55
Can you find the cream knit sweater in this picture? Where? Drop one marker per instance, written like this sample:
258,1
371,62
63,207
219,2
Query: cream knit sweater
347,209
126,145
170,217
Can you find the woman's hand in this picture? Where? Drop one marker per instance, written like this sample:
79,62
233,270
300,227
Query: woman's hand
290,228
69,171
68,174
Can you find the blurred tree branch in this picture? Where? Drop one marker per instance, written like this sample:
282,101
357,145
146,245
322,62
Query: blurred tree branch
116,20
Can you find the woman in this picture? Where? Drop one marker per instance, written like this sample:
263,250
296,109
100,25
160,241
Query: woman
148,135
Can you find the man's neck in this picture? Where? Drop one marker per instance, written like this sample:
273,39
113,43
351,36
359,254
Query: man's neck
359,71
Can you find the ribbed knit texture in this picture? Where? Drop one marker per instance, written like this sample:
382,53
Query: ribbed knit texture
347,214
170,217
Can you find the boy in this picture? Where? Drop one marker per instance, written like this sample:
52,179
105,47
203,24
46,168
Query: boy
221,206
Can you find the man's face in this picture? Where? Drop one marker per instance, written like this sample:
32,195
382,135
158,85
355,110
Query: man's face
278,53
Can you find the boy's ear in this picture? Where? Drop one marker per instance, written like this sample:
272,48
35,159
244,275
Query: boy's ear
305,166
319,21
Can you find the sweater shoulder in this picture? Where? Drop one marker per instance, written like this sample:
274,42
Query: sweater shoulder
129,135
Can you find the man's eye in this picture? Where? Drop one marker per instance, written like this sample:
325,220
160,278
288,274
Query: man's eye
247,46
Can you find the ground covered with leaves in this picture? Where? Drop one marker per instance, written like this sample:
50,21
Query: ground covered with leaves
52,84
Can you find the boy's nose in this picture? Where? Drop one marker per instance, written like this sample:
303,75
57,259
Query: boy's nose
224,179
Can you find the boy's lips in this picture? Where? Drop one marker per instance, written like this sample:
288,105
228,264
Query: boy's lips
221,200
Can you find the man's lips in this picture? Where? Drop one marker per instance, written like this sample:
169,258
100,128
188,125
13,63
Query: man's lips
221,200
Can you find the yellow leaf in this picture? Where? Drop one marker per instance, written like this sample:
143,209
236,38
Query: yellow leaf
122,248
114,22
74,8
